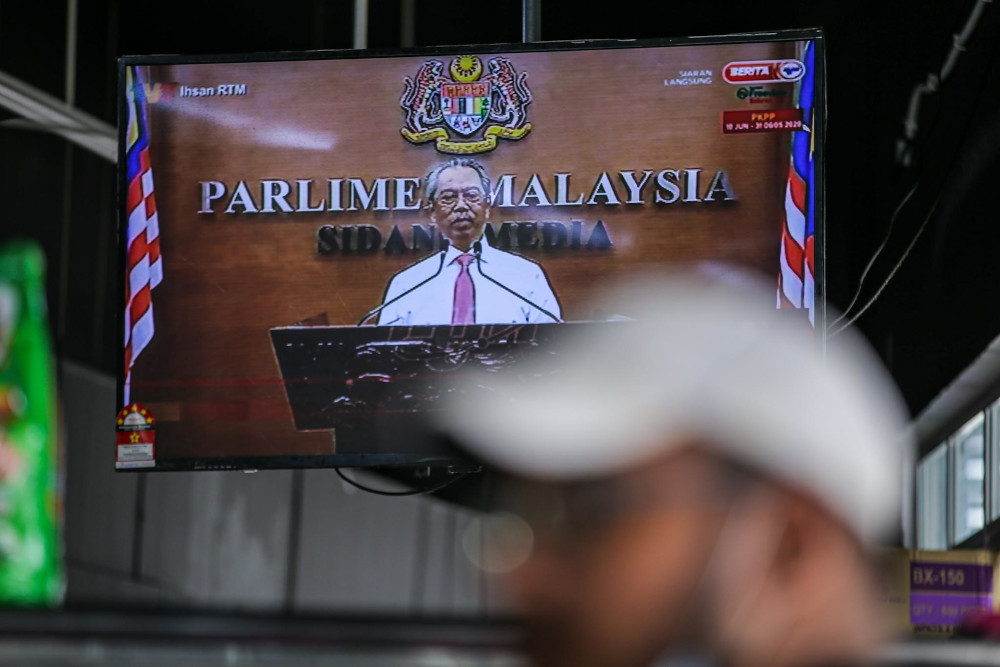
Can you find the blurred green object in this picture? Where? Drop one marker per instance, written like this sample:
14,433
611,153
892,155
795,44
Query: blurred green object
31,568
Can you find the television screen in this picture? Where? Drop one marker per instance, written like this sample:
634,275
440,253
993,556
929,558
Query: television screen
312,243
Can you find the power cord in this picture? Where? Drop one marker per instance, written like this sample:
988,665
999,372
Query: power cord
885,283
875,256
410,492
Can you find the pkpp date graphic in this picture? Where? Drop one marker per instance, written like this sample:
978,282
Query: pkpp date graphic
742,121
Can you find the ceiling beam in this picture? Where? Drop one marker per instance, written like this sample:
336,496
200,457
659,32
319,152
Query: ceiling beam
43,112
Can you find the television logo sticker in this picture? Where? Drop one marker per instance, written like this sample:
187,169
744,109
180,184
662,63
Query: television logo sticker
135,438
452,110
760,94
763,71
159,92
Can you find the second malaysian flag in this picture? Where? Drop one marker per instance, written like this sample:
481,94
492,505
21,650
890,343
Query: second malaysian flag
796,278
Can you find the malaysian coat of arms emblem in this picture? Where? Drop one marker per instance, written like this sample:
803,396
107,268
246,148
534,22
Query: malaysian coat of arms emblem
467,102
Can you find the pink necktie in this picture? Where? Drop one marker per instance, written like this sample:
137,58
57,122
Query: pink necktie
464,309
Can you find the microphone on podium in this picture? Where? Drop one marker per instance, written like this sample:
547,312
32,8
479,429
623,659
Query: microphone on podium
477,248
396,298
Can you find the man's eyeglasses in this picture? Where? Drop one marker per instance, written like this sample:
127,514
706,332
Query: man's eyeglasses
472,196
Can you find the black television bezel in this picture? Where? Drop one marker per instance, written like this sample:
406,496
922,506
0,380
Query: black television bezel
391,461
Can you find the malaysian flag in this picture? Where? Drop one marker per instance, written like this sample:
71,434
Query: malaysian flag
796,280
144,267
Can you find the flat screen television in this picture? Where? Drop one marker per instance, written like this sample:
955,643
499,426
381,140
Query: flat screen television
312,243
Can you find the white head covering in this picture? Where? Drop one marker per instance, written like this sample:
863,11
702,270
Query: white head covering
706,359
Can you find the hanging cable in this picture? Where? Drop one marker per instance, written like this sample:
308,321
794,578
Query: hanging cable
409,492
871,262
885,283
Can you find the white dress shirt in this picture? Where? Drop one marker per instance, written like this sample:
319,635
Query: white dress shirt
432,302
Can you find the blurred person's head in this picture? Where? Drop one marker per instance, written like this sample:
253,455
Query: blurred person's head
698,480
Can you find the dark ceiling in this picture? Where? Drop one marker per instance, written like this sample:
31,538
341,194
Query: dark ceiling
939,312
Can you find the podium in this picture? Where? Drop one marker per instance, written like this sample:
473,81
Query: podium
374,387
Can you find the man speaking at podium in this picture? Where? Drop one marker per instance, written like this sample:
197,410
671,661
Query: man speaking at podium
471,282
